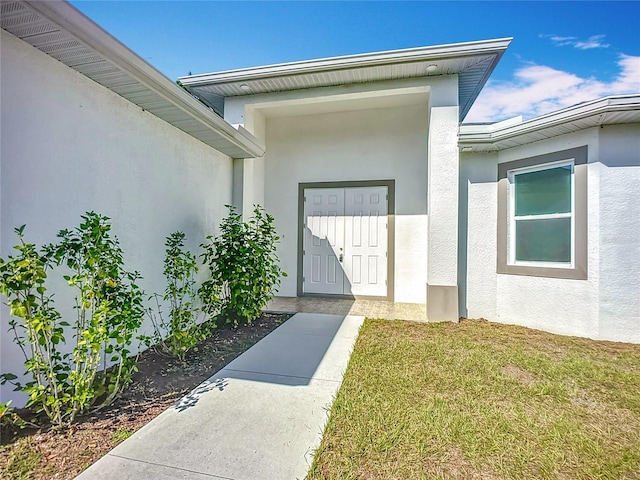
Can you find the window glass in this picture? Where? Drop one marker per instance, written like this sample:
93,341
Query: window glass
542,215
543,192
547,240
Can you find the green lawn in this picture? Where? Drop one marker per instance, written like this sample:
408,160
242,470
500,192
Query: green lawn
483,401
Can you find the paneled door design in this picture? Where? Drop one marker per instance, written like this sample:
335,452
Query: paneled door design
345,241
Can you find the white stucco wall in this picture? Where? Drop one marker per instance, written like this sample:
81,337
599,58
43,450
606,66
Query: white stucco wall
69,145
607,304
478,244
241,110
443,197
367,131
380,144
619,181
248,183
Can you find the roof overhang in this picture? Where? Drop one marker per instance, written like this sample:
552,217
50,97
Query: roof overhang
508,134
473,62
62,32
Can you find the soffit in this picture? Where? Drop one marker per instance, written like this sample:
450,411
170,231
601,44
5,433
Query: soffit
605,111
62,32
473,62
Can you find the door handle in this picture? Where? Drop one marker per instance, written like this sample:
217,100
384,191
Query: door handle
341,257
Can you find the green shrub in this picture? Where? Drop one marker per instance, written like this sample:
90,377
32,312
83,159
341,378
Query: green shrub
9,419
108,305
22,279
243,265
181,331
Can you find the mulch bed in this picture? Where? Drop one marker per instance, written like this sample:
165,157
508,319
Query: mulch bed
159,383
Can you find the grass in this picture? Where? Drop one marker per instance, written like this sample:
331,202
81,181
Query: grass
482,400
23,459
121,434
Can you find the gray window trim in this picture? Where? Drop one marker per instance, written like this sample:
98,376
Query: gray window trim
579,271
391,228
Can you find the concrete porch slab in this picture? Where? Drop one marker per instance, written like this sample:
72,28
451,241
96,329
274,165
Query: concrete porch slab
345,306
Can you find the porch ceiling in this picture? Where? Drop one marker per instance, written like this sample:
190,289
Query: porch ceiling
508,134
343,102
62,32
473,62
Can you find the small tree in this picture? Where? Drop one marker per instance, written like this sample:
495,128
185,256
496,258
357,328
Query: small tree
38,330
109,312
109,309
180,332
243,265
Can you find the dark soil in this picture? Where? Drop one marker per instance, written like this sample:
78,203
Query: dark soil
160,381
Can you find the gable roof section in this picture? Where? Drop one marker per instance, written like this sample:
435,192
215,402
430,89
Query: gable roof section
473,62
62,32
508,134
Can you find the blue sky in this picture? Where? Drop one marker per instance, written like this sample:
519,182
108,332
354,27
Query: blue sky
562,53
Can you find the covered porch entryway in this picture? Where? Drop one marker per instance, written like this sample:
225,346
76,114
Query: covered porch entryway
346,306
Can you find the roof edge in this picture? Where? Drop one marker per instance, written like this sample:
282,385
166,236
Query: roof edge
492,133
351,61
67,17
498,52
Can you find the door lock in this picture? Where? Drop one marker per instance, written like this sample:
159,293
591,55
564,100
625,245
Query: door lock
341,257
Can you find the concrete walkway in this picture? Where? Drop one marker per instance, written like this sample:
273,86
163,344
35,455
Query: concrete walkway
261,417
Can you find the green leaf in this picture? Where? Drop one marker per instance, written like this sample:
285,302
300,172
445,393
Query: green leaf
7,377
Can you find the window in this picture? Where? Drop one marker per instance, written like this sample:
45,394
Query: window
542,215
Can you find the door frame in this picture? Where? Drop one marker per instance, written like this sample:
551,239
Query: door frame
391,228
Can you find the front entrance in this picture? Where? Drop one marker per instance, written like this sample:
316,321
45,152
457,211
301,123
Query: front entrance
345,241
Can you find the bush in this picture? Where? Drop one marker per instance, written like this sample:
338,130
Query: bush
243,265
109,312
180,332
9,419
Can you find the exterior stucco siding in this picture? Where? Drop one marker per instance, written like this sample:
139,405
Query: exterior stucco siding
619,207
380,144
605,305
69,146
443,196
479,214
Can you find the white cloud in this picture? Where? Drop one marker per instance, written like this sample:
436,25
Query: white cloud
594,41
561,41
538,89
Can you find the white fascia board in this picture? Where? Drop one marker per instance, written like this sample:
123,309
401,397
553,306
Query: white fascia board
352,61
483,128
487,134
77,24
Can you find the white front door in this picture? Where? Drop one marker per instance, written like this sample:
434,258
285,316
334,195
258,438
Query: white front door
323,240
345,241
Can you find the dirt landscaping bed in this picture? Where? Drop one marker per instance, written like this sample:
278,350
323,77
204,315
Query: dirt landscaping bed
45,454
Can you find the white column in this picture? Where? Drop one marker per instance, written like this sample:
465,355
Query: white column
248,173
442,206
